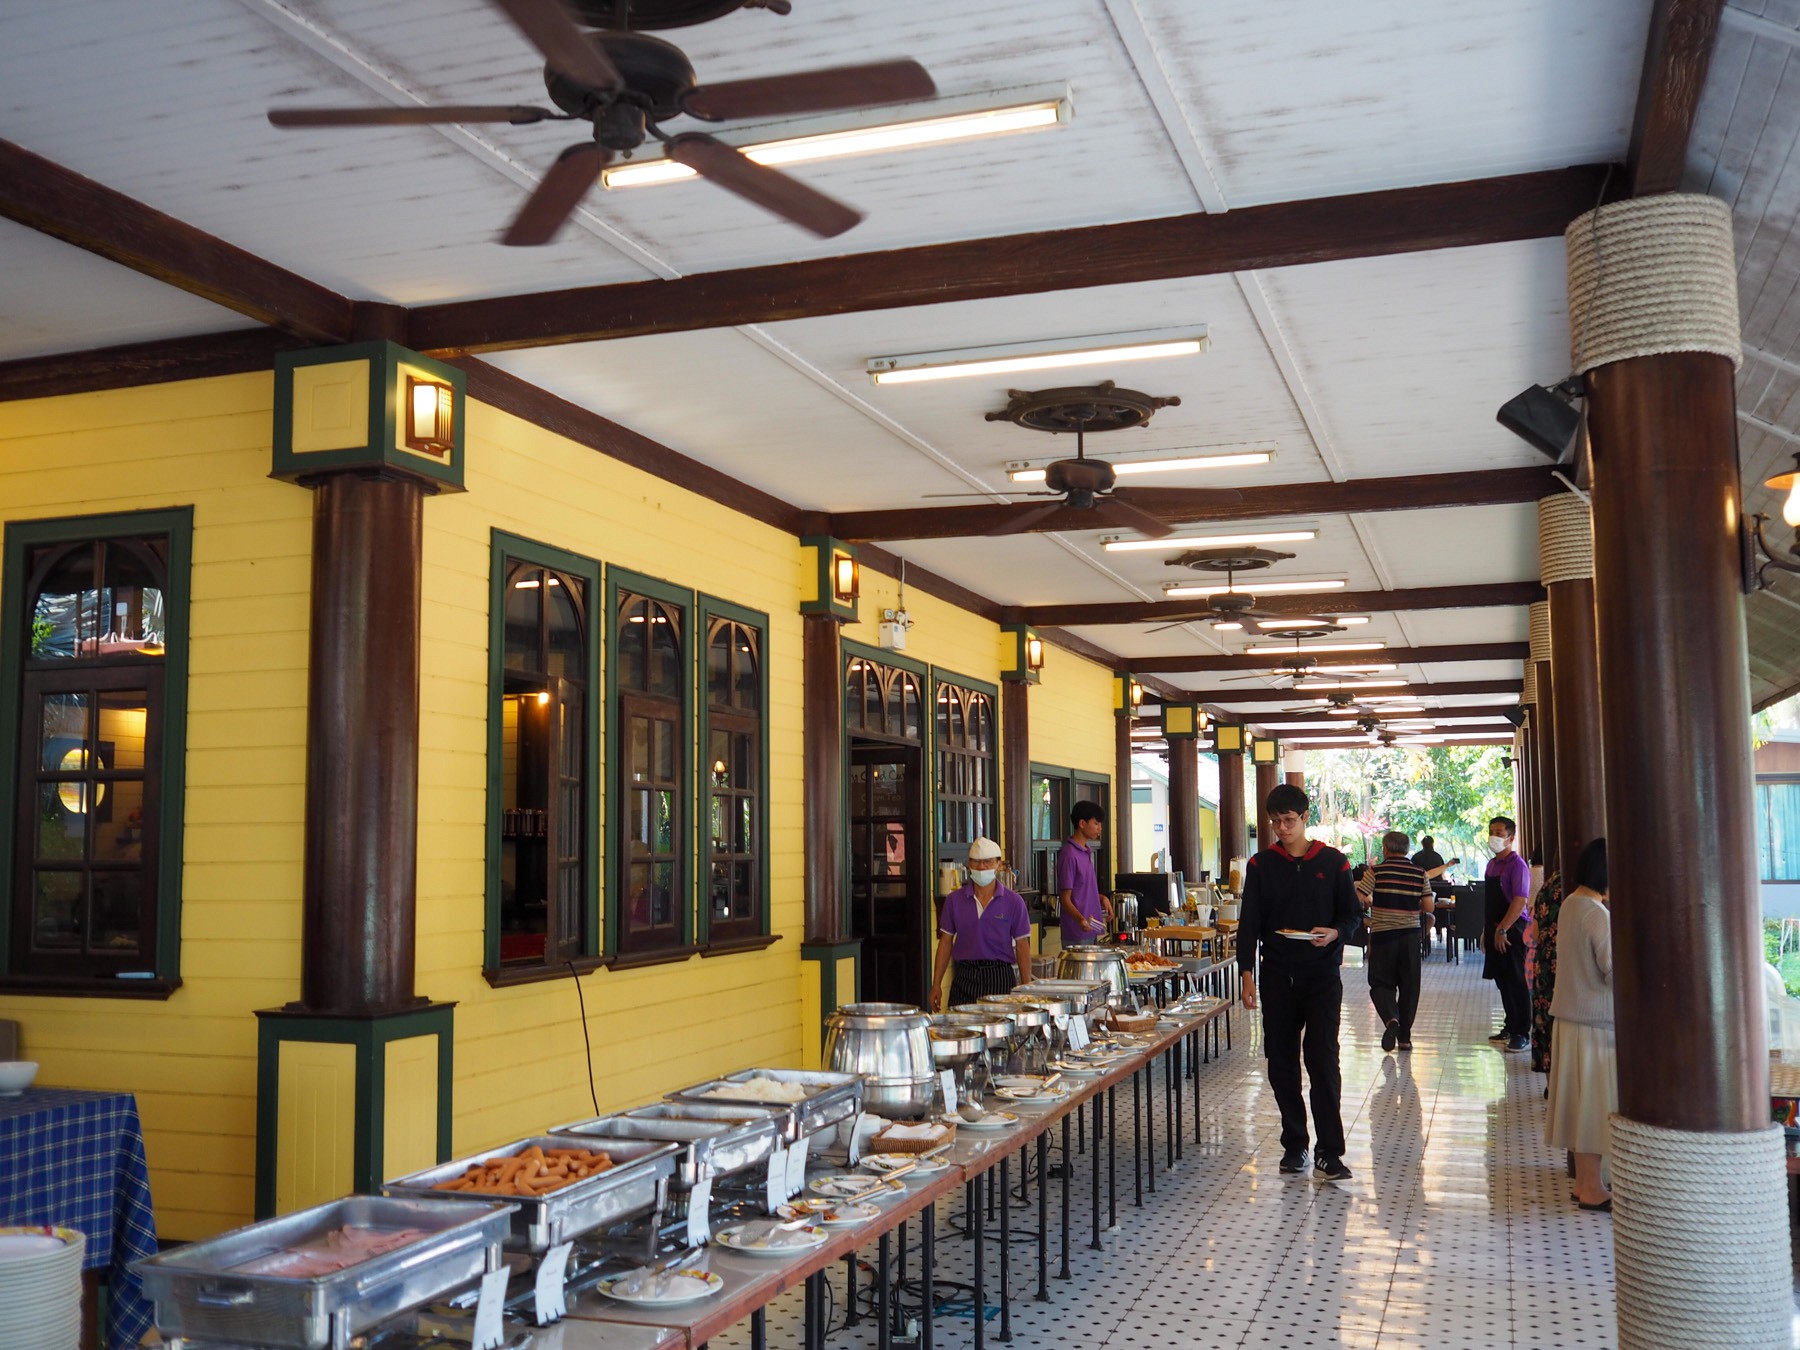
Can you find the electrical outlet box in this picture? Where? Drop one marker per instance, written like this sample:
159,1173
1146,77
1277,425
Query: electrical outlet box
891,632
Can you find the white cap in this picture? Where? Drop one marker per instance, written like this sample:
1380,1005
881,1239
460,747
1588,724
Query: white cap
984,850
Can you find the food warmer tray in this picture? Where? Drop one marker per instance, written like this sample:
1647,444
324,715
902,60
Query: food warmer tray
203,1297
1089,995
637,1183
830,1097
715,1140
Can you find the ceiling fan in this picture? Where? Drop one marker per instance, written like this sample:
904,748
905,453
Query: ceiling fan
1228,608
626,84
1340,701
1083,484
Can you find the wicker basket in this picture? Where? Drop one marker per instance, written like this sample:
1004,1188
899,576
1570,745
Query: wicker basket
885,1142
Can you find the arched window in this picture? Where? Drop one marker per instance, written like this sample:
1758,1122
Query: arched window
966,788
734,774
652,758
881,700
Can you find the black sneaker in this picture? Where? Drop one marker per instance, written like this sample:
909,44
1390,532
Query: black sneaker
1330,1169
1517,1045
1500,1035
1390,1037
1294,1163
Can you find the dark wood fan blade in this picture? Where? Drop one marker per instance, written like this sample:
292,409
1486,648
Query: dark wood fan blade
1027,518
1199,617
987,496
811,91
1119,511
559,194
549,28
407,117
768,188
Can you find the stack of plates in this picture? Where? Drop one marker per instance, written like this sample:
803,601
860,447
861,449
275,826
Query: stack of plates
40,1288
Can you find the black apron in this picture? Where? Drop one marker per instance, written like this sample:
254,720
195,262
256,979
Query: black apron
972,981
1498,902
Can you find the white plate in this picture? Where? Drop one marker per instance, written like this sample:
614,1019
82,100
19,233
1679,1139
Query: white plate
792,1242
1032,1097
842,1184
15,1246
681,1286
1019,1082
893,1162
831,1213
993,1120
1299,937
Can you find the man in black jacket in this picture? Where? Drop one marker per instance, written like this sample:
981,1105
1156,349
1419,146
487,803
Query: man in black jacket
1299,907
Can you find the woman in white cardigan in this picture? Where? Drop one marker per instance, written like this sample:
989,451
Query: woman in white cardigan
1584,1079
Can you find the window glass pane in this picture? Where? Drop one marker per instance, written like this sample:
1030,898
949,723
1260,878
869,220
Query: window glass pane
639,824
118,917
65,612
718,890
718,757
124,718
748,694
63,730
912,723
896,716
662,767
746,827
1778,821
565,638
665,822
524,589
118,829
718,664
743,775
637,763
634,622
742,889
665,652
56,911
720,823
132,608
62,822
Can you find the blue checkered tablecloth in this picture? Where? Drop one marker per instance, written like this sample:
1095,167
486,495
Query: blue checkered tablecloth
77,1159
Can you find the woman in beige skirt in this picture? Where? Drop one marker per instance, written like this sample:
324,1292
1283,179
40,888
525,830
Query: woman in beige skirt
1584,1080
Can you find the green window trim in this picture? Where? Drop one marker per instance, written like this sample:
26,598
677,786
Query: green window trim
710,608
177,525
687,845
954,850
505,549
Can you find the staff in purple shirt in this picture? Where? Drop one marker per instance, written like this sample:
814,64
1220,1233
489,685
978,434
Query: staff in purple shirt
1085,912
986,929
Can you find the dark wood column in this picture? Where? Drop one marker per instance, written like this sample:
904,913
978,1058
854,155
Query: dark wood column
362,745
822,750
1121,813
1548,845
1015,778
1267,776
1580,769
1296,778
1184,808
1525,778
1687,973
1232,840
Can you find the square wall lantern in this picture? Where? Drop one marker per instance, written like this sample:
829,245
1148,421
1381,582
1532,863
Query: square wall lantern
1265,751
1128,694
1021,654
1182,719
1228,738
368,405
831,577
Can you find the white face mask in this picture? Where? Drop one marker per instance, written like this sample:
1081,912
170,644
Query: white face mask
984,877
1498,843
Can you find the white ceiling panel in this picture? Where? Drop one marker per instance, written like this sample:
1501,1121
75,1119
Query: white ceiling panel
1457,546
1033,568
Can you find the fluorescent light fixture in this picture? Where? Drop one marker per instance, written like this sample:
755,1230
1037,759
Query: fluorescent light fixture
1013,358
940,129
1360,684
1226,626
1287,649
1311,685
1326,740
1126,468
1177,591
1178,541
1146,734
1388,709
1341,620
1342,712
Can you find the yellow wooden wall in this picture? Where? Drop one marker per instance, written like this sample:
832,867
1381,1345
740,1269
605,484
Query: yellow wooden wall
192,1059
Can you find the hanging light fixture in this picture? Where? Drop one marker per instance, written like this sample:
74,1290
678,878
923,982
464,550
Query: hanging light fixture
1788,560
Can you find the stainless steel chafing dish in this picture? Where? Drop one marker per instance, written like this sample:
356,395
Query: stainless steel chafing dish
637,1183
204,1296
830,1097
1058,1003
1089,995
715,1140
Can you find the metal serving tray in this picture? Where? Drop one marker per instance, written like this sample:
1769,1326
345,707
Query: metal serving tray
637,1183
830,1097
714,1140
203,1296
1089,995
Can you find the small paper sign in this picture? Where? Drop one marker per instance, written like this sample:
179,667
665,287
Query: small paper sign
699,1220
490,1311
1061,1020
947,1077
552,1271
776,1194
863,1127
796,1166
1078,1033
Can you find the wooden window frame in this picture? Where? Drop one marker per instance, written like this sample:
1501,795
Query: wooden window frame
621,951
755,933
505,552
165,767
1771,781
944,756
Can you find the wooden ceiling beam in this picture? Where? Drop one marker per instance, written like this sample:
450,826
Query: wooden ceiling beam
1400,656
1298,606
1285,234
48,198
139,363
1322,719
1676,57
1259,695
1410,492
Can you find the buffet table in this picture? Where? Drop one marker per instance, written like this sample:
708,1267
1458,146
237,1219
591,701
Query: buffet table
76,1160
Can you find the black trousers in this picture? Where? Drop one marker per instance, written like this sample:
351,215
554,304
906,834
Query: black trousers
1300,1021
1394,964
1509,977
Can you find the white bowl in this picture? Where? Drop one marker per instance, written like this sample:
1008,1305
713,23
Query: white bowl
16,1076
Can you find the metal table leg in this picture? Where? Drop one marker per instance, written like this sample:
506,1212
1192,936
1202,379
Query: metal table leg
759,1330
1043,1293
1094,1242
814,1333
850,1317
1149,1073
884,1313
1192,1042
927,1255
978,1297
1065,1274
1137,1139
1112,1155
1005,1251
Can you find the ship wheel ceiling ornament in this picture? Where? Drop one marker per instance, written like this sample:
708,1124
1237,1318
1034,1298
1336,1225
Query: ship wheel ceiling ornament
626,84
1229,608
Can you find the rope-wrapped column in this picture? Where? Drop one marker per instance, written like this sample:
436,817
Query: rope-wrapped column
1700,1231
1546,848
1566,564
1526,767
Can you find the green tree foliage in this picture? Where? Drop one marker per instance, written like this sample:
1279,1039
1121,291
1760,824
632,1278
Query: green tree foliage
1449,792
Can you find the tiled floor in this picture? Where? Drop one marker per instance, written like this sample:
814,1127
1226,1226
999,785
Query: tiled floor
1456,1232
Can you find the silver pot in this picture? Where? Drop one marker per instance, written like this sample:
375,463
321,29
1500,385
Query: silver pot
1091,961
887,1044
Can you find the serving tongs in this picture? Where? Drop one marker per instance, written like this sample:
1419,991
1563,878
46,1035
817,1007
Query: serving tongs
657,1272
886,1180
